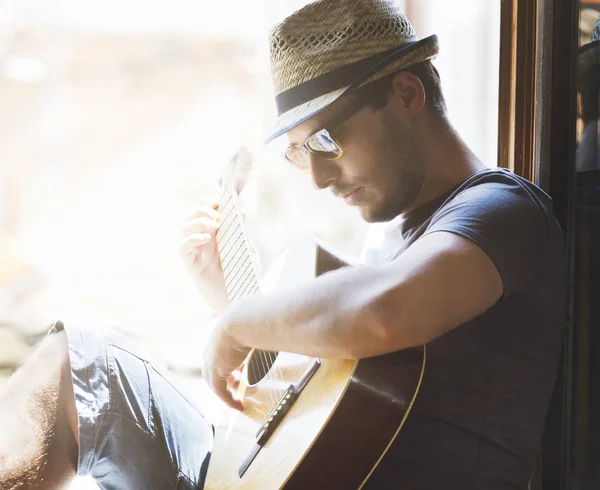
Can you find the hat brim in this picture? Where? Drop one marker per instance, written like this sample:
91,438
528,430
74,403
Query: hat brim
420,51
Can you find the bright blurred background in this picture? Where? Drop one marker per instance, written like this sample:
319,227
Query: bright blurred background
115,119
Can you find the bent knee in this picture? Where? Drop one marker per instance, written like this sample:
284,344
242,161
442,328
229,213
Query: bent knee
46,371
43,368
34,417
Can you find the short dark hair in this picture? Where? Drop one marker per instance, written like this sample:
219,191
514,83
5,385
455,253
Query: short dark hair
377,92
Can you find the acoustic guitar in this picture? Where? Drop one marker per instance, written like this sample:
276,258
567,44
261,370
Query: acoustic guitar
308,423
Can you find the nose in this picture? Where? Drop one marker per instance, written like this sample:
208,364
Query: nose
323,172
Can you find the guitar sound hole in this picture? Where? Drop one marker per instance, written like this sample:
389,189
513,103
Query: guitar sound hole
260,363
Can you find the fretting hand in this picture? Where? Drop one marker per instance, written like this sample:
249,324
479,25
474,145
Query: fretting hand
200,255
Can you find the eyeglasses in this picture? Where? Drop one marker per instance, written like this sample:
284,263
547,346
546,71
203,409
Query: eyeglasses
322,143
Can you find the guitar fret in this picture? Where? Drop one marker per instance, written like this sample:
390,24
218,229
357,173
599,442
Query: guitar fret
228,234
244,272
228,201
241,254
227,223
231,249
232,245
243,282
252,291
230,252
234,250
248,286
228,217
249,291
243,294
234,229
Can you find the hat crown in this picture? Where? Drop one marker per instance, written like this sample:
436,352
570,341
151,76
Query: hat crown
329,34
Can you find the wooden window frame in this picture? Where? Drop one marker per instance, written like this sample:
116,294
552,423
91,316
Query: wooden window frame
537,140
518,75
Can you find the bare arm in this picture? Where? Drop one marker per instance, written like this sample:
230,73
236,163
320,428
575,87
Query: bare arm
440,282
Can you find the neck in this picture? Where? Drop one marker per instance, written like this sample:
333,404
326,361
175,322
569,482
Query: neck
447,158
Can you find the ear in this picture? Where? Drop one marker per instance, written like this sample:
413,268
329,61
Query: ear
408,90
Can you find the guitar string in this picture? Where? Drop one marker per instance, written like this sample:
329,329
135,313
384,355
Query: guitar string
246,289
235,260
242,282
259,358
234,263
227,248
267,359
263,354
222,235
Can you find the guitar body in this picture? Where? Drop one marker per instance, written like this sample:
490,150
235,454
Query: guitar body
337,430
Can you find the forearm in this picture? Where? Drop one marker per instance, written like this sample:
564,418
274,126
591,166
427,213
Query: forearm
334,316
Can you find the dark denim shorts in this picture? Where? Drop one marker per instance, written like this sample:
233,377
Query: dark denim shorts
137,431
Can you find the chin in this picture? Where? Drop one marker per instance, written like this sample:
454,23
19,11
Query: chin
372,216
379,214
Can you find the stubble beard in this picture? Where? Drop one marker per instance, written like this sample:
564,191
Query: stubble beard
402,175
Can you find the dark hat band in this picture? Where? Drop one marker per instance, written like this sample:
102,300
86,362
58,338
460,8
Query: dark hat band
348,75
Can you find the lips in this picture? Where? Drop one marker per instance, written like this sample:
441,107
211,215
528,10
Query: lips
351,197
343,194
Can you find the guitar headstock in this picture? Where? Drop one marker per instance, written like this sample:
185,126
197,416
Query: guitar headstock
237,171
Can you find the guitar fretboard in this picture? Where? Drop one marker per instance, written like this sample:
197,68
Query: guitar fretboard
234,249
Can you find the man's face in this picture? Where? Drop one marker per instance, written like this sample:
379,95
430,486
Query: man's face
379,170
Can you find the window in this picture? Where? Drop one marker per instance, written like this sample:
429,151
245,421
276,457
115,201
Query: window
116,117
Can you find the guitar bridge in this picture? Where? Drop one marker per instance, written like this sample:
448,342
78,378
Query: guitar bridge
277,414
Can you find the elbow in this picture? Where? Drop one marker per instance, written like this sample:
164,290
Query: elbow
391,327
378,317
374,335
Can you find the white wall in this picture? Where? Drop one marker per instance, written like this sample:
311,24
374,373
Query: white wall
233,18
469,32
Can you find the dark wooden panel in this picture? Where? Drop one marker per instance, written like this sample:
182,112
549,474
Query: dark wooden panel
537,115
518,87
558,73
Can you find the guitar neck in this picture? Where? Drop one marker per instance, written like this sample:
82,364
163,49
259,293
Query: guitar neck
241,278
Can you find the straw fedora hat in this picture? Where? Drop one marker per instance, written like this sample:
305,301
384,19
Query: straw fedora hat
331,47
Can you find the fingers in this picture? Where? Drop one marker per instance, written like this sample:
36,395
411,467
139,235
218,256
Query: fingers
226,395
207,215
205,211
221,389
213,202
200,225
234,379
192,242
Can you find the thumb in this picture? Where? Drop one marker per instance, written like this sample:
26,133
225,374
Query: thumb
227,396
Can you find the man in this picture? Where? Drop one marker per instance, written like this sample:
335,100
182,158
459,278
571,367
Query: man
473,267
